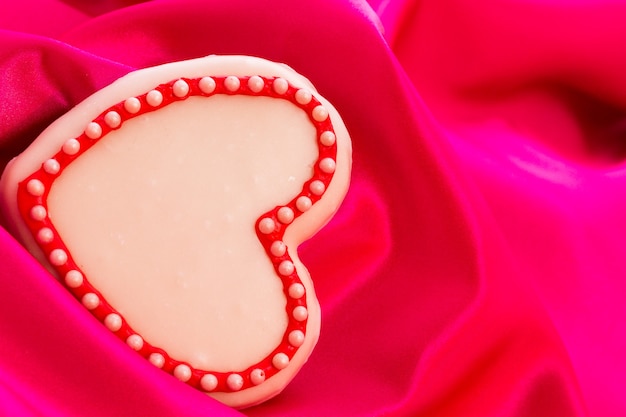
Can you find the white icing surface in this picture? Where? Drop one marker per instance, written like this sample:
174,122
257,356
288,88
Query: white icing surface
160,216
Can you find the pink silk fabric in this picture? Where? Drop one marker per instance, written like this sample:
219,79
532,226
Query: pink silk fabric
476,267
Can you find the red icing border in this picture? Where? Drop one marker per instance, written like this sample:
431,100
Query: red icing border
33,191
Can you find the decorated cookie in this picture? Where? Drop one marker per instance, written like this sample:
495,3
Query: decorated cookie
171,205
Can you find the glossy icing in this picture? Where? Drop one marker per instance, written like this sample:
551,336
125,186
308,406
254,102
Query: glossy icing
281,324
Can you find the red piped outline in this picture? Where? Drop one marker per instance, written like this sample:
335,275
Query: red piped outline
26,202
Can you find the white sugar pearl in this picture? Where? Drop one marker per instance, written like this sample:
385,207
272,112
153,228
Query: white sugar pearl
207,86
296,290
303,203
300,313
286,268
180,88
280,361
317,187
113,119
93,130
232,83
113,322
280,86
45,235
35,188
285,215
52,166
154,98
71,147
38,213
256,84
267,226
296,338
327,165
234,382
208,382
57,257
327,138
91,301
182,372
74,279
135,342
303,96
132,105
320,113
257,376
278,248
157,359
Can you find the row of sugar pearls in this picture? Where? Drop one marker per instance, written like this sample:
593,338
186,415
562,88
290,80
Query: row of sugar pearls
112,119
209,382
180,88
256,85
154,98
234,381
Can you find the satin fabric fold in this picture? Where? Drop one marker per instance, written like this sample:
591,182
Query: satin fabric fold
475,267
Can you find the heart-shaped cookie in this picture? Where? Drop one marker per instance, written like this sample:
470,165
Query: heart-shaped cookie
171,204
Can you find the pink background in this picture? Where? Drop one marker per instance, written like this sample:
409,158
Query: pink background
477,265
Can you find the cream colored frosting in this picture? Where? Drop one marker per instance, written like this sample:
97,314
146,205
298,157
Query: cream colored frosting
160,214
